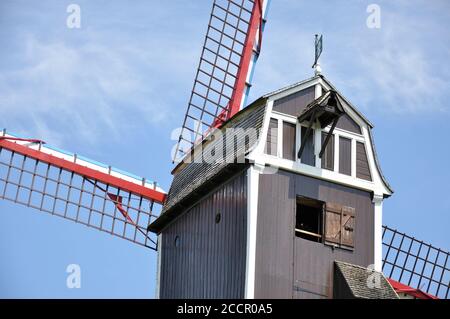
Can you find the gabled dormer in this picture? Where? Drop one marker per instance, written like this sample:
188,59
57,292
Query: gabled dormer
275,198
310,128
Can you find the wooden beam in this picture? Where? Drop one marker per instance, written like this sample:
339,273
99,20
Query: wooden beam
308,233
330,133
308,131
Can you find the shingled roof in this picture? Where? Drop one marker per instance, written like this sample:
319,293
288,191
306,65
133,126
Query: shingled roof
353,282
193,180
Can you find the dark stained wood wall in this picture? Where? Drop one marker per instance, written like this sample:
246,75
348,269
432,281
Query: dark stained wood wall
348,124
328,156
272,138
308,156
345,155
292,267
289,141
210,259
362,164
295,103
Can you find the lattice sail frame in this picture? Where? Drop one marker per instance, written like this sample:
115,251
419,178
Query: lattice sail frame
416,263
223,79
78,189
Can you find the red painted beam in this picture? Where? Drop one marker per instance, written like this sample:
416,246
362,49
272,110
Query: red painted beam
250,42
87,172
244,65
417,293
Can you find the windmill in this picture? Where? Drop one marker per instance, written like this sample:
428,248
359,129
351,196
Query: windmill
68,185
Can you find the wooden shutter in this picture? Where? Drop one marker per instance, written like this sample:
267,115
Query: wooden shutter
333,223
289,141
272,138
345,156
339,224
348,226
328,155
362,164
308,156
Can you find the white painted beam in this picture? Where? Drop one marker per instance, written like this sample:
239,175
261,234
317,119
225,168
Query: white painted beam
252,216
378,232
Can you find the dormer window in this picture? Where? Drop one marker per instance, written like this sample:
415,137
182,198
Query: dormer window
323,111
323,136
272,138
362,163
328,154
308,157
289,140
345,155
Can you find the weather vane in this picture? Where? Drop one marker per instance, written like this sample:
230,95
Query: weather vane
318,52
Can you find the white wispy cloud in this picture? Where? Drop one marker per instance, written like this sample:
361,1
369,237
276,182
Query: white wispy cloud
84,90
399,68
125,70
113,75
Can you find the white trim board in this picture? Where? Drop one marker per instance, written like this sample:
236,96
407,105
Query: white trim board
158,268
332,176
252,216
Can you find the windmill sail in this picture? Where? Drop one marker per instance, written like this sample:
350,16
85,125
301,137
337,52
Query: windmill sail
76,188
231,48
415,263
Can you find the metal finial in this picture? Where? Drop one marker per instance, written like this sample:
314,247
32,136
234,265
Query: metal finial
318,52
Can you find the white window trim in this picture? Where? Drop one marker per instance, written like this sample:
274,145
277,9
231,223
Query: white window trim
258,155
296,165
318,145
336,151
320,173
285,117
280,138
347,134
353,158
281,118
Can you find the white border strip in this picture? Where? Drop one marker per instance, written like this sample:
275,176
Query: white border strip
74,159
252,216
158,267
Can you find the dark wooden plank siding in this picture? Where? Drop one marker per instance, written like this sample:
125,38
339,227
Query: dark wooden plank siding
187,181
348,124
274,245
272,138
328,155
345,156
210,260
362,164
289,141
294,103
308,156
291,267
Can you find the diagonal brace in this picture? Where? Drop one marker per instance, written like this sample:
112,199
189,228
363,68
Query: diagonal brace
308,132
330,133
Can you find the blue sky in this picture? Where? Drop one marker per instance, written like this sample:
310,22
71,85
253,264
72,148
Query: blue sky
115,89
